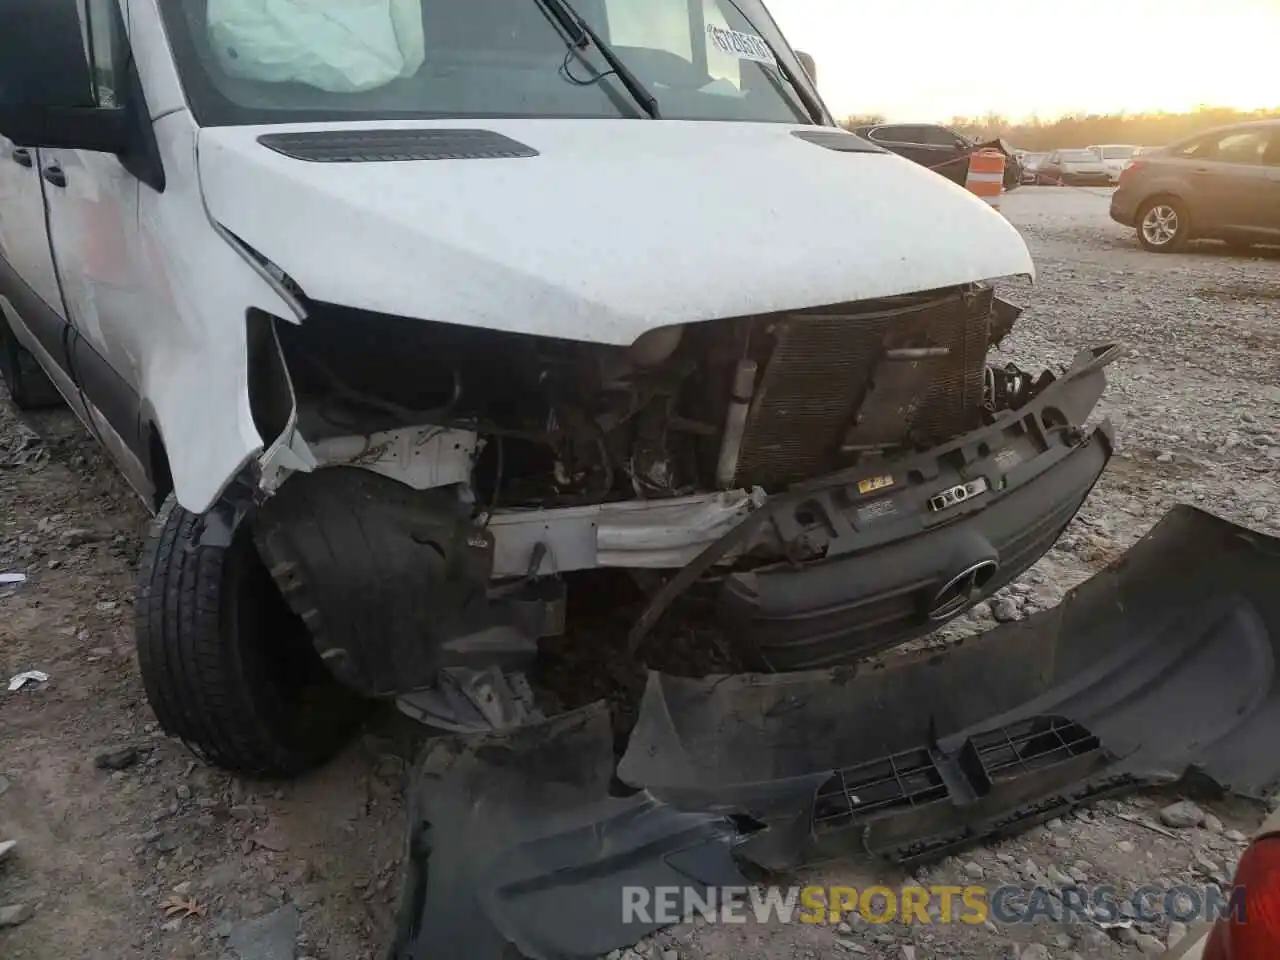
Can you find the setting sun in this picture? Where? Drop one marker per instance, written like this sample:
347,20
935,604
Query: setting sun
926,59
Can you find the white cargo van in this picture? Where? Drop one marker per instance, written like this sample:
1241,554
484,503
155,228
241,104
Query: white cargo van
406,315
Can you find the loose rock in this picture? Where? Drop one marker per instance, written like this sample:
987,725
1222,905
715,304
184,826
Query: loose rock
271,838
77,537
1181,815
1057,877
117,758
1148,945
15,914
273,937
1006,610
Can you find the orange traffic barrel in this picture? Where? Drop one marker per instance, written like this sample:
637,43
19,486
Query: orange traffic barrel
986,176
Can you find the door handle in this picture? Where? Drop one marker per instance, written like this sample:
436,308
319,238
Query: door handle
22,157
55,175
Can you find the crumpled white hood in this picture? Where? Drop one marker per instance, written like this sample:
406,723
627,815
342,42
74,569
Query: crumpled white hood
617,227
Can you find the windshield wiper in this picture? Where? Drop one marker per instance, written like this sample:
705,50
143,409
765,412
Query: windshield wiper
581,36
811,104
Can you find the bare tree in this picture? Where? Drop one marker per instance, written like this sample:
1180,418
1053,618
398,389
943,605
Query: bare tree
855,120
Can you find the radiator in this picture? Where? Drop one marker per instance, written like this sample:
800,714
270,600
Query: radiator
862,378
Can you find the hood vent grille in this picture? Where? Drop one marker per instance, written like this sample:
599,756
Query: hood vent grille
837,140
384,146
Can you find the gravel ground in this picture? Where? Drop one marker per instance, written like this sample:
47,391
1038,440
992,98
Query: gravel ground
111,819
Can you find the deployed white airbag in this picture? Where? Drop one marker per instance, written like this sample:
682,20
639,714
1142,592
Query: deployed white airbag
343,46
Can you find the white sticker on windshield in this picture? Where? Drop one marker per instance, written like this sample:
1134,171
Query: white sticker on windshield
744,46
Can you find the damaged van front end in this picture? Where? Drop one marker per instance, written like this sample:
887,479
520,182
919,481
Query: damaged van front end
852,477
462,416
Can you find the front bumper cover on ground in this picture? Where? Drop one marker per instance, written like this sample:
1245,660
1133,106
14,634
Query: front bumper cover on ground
1162,664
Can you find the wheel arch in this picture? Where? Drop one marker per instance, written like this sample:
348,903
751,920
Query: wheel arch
156,461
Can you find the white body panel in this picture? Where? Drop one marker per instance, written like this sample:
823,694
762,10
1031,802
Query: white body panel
24,241
618,227
193,371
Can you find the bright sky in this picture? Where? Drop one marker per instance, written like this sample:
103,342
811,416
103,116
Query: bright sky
934,59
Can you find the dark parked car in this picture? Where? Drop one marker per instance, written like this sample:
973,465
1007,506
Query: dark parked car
938,148
1031,166
1222,185
1075,168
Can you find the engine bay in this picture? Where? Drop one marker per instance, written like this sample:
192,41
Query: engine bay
740,403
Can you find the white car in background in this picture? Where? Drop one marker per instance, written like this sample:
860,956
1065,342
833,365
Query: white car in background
1115,157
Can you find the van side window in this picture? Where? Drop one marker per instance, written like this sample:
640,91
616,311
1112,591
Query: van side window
104,44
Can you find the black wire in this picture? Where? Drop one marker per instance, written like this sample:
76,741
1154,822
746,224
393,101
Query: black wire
568,74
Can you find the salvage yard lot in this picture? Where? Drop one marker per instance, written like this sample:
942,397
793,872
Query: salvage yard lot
1196,406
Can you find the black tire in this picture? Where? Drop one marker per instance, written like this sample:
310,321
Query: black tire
1181,234
227,666
29,387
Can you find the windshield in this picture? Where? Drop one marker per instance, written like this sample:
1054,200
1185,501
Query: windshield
244,62
1079,156
1117,153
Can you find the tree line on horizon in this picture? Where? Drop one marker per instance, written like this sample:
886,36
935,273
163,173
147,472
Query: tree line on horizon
1081,130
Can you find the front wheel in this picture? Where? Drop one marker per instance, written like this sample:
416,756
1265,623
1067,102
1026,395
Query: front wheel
227,666
1163,225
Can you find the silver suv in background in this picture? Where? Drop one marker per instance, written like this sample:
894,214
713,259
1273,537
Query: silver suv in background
1115,157
1222,185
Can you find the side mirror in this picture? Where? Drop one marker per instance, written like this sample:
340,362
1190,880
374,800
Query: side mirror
810,67
50,95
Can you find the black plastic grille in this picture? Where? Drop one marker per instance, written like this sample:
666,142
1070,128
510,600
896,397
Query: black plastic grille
912,778
382,146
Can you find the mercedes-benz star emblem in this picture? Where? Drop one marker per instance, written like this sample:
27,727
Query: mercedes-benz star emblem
962,589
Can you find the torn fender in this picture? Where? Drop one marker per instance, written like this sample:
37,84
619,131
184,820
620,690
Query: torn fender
1163,662
194,378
